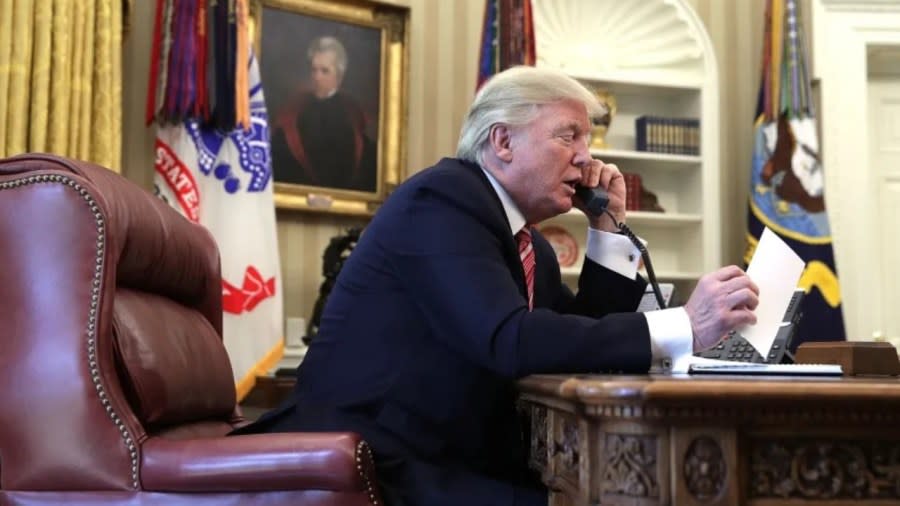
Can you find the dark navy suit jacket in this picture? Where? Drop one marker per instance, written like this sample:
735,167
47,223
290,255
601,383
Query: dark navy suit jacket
427,330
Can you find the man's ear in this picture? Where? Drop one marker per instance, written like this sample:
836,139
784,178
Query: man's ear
500,139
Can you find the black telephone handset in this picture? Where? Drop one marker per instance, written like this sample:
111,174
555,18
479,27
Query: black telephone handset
735,347
595,199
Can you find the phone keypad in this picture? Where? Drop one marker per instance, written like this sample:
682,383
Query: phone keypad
734,348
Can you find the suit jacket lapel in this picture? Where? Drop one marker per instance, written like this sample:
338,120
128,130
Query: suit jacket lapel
496,217
544,256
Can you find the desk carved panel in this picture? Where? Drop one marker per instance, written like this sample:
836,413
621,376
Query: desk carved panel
630,465
567,449
701,441
824,469
537,419
705,469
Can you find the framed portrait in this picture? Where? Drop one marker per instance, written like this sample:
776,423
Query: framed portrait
334,74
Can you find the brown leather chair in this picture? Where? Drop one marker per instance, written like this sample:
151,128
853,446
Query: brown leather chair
115,387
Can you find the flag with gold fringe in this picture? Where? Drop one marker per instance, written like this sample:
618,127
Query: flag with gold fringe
507,37
787,179
213,164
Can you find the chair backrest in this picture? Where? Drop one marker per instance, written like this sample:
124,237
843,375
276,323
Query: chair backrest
110,327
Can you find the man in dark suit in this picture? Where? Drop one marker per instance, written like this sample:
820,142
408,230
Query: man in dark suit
433,317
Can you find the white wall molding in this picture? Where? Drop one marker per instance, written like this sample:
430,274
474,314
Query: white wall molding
843,33
870,6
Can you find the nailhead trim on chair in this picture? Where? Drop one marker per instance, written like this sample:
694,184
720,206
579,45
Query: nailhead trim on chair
364,453
95,302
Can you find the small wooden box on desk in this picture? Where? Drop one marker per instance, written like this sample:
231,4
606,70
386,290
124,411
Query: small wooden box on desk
856,358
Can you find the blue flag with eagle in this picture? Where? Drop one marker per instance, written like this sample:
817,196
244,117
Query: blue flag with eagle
787,179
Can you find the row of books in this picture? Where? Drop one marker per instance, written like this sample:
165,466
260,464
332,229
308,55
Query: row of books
680,136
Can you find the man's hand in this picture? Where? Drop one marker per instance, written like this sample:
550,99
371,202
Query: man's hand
723,300
604,175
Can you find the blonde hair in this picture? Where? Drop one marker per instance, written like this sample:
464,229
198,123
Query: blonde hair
513,97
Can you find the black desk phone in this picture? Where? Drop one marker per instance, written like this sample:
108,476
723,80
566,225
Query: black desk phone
735,347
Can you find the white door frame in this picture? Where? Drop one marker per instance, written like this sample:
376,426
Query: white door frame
843,30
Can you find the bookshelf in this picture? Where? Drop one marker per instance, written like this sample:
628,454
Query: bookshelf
655,57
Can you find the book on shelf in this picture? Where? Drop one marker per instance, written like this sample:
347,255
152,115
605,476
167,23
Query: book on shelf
632,191
678,136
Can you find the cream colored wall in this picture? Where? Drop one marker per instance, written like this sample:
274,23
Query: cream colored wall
735,28
444,41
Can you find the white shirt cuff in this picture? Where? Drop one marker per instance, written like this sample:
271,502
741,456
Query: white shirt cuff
671,336
613,251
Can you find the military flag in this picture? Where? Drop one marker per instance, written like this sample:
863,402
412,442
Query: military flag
213,165
507,37
787,181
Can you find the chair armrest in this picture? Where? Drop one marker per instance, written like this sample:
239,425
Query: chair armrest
257,462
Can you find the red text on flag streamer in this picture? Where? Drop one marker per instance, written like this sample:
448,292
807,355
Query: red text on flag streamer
179,179
254,290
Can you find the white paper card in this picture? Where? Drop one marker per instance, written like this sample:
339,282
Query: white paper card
776,270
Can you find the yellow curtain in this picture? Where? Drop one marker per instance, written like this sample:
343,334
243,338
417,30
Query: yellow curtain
61,79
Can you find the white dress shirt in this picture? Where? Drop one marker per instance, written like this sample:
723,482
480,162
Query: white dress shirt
671,336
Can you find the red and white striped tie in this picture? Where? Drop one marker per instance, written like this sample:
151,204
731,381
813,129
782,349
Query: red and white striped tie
526,255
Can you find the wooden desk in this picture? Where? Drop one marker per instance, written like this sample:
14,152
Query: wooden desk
705,441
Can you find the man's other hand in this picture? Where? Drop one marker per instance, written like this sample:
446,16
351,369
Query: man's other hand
723,300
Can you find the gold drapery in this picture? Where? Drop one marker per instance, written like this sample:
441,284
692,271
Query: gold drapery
61,79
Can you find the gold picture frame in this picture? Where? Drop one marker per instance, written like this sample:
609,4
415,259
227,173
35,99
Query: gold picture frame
373,92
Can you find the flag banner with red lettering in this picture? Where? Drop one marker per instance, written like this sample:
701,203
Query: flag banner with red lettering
223,180
213,164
